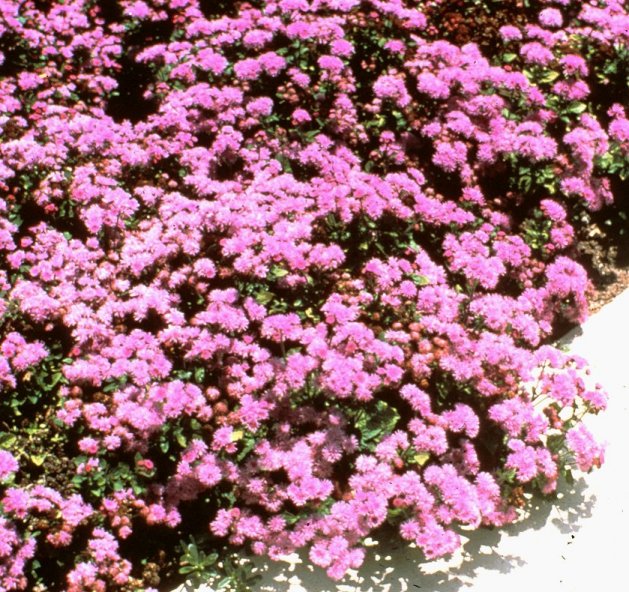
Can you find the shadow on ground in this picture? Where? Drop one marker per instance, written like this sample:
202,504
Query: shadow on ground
392,566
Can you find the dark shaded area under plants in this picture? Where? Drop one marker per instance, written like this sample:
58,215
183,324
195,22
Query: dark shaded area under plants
13,52
603,239
134,78
129,102
608,80
110,10
55,562
152,322
213,9
471,21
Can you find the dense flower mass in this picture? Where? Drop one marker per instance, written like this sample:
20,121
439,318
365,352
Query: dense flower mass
275,273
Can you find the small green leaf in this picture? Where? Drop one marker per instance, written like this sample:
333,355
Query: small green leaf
419,280
199,374
576,108
38,459
278,272
421,458
549,77
264,297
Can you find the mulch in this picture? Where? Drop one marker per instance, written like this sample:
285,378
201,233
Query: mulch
607,293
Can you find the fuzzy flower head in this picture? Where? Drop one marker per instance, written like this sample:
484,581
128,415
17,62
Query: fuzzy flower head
331,64
510,33
8,464
393,88
587,452
550,17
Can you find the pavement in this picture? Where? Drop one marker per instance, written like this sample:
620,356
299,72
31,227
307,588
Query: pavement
574,544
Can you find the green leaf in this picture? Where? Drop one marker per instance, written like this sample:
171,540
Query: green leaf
507,58
419,280
7,440
374,424
549,77
576,108
421,458
38,459
56,378
236,435
249,445
394,514
199,374
264,297
285,162
278,272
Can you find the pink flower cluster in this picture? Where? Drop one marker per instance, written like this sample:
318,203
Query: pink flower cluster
290,278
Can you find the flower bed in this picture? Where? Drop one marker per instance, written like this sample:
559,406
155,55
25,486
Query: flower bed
277,273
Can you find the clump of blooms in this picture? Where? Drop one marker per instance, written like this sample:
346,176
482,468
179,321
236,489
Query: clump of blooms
276,273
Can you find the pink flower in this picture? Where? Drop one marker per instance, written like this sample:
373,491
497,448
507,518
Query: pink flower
257,38
320,555
16,501
462,419
523,459
342,47
272,63
450,156
8,464
519,418
280,327
247,69
418,399
208,59
88,445
436,541
574,64
586,451
393,88
433,86
331,63
300,116
551,17
536,53
510,33
261,106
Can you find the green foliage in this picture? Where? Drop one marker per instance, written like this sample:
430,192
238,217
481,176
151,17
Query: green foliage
614,162
232,573
107,478
535,231
373,422
37,386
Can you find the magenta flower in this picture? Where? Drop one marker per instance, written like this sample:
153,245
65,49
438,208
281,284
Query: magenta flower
8,464
510,33
586,451
536,53
550,17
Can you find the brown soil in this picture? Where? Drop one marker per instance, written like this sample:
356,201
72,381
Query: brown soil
607,293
